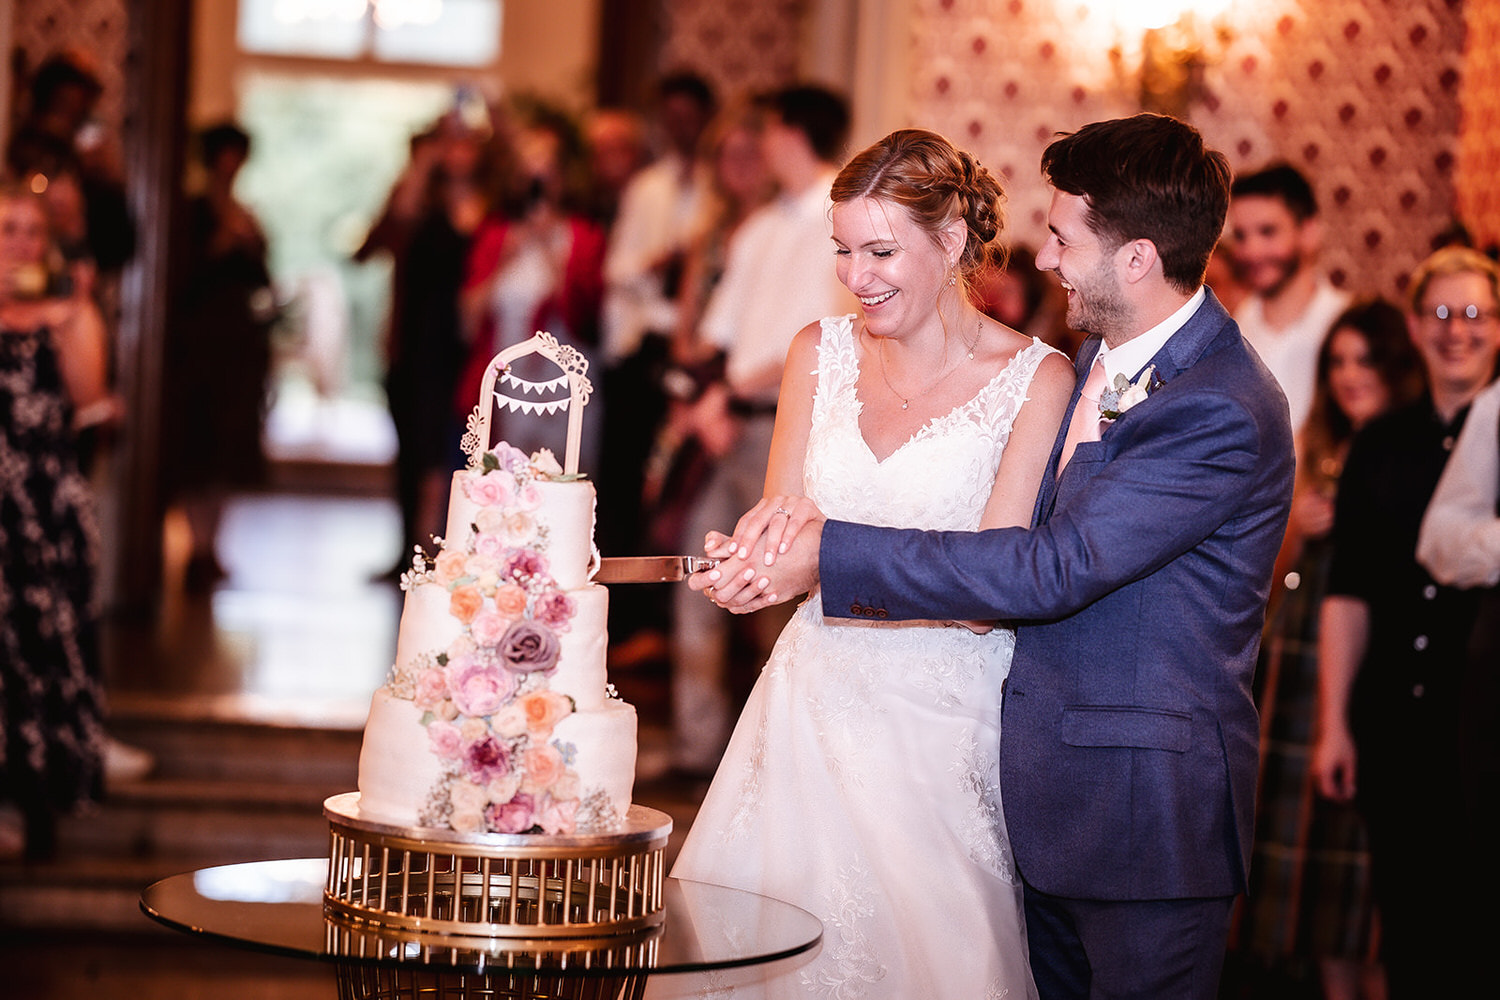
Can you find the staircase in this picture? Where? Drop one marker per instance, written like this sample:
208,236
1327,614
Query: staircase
222,792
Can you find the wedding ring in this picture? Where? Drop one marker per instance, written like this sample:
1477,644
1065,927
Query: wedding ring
782,510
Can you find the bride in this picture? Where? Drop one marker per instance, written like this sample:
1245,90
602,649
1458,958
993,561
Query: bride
862,781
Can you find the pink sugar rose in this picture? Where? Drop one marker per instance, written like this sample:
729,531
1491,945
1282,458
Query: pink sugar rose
542,765
528,497
479,689
465,603
491,546
488,628
514,816
493,489
449,566
555,610
510,600
480,565
529,647
486,759
543,710
524,563
444,739
558,815
431,690
567,787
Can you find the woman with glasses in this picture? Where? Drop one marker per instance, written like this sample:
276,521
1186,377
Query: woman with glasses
1392,643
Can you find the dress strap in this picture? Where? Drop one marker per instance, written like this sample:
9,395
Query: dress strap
838,365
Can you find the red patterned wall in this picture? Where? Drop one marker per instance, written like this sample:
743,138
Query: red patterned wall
1479,149
1363,95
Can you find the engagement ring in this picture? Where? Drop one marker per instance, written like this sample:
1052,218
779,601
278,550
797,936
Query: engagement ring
782,510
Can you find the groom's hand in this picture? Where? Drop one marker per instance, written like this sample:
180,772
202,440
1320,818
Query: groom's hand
744,583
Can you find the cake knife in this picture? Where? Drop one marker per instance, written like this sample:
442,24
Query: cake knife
650,569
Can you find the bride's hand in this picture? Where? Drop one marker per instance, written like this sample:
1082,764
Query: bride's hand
778,520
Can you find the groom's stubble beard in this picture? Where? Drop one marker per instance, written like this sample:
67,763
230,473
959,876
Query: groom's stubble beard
1098,307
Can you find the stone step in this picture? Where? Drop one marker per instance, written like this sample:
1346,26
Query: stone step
189,741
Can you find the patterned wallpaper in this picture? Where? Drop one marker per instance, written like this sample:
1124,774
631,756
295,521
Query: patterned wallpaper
1363,95
99,28
1479,150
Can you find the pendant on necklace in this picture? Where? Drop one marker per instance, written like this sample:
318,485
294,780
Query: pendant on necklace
903,404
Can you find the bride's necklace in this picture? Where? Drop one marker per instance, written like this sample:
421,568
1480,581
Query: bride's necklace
906,400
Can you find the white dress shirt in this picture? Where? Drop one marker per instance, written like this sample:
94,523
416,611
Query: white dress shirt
663,209
1130,357
1460,539
1292,352
778,277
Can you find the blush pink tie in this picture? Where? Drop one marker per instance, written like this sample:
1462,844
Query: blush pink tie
1085,423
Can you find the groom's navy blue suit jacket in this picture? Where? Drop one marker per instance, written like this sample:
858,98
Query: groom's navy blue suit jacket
1129,735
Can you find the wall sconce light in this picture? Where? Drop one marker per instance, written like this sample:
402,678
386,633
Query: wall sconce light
1178,40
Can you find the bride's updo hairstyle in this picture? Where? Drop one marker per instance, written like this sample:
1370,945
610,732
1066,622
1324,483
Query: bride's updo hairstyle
936,183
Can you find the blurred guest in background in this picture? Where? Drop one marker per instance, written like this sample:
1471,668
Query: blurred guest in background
1013,291
1392,642
1460,546
662,211
1273,238
536,264
1309,912
615,141
52,376
426,228
219,353
776,280
58,137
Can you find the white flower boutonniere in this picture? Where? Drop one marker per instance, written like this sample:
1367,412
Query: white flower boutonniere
1125,393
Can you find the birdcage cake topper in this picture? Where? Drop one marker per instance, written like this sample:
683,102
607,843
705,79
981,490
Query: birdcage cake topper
504,387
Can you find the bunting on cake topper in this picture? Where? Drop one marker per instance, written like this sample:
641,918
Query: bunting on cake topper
499,374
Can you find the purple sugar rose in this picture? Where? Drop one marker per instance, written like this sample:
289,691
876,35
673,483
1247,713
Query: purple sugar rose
529,646
515,816
486,758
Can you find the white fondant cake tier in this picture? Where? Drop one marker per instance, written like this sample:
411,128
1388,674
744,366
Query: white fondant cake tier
398,770
429,628
565,510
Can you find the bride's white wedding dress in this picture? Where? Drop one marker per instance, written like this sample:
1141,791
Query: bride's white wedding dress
862,779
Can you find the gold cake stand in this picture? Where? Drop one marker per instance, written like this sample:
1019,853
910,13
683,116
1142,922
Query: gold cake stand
589,887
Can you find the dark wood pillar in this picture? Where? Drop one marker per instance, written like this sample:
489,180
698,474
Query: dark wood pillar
154,140
630,33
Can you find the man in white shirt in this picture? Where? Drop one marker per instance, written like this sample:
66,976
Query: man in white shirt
661,212
1273,239
779,276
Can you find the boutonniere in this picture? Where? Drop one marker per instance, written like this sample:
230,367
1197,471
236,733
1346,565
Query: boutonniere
1125,393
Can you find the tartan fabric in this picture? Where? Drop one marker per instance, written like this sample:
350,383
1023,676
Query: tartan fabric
1310,894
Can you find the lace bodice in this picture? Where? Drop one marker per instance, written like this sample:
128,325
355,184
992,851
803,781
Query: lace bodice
843,477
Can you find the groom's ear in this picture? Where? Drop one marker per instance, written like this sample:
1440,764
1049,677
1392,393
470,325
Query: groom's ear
1135,259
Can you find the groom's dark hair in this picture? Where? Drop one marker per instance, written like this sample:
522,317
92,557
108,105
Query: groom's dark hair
1147,177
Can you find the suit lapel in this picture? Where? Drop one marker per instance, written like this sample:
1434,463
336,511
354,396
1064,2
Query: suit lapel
1176,355
1047,495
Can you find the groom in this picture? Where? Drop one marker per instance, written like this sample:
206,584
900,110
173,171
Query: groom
1128,757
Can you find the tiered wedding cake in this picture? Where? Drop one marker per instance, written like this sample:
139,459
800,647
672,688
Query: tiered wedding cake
497,736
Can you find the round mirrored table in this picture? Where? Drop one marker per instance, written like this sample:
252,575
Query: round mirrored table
277,906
